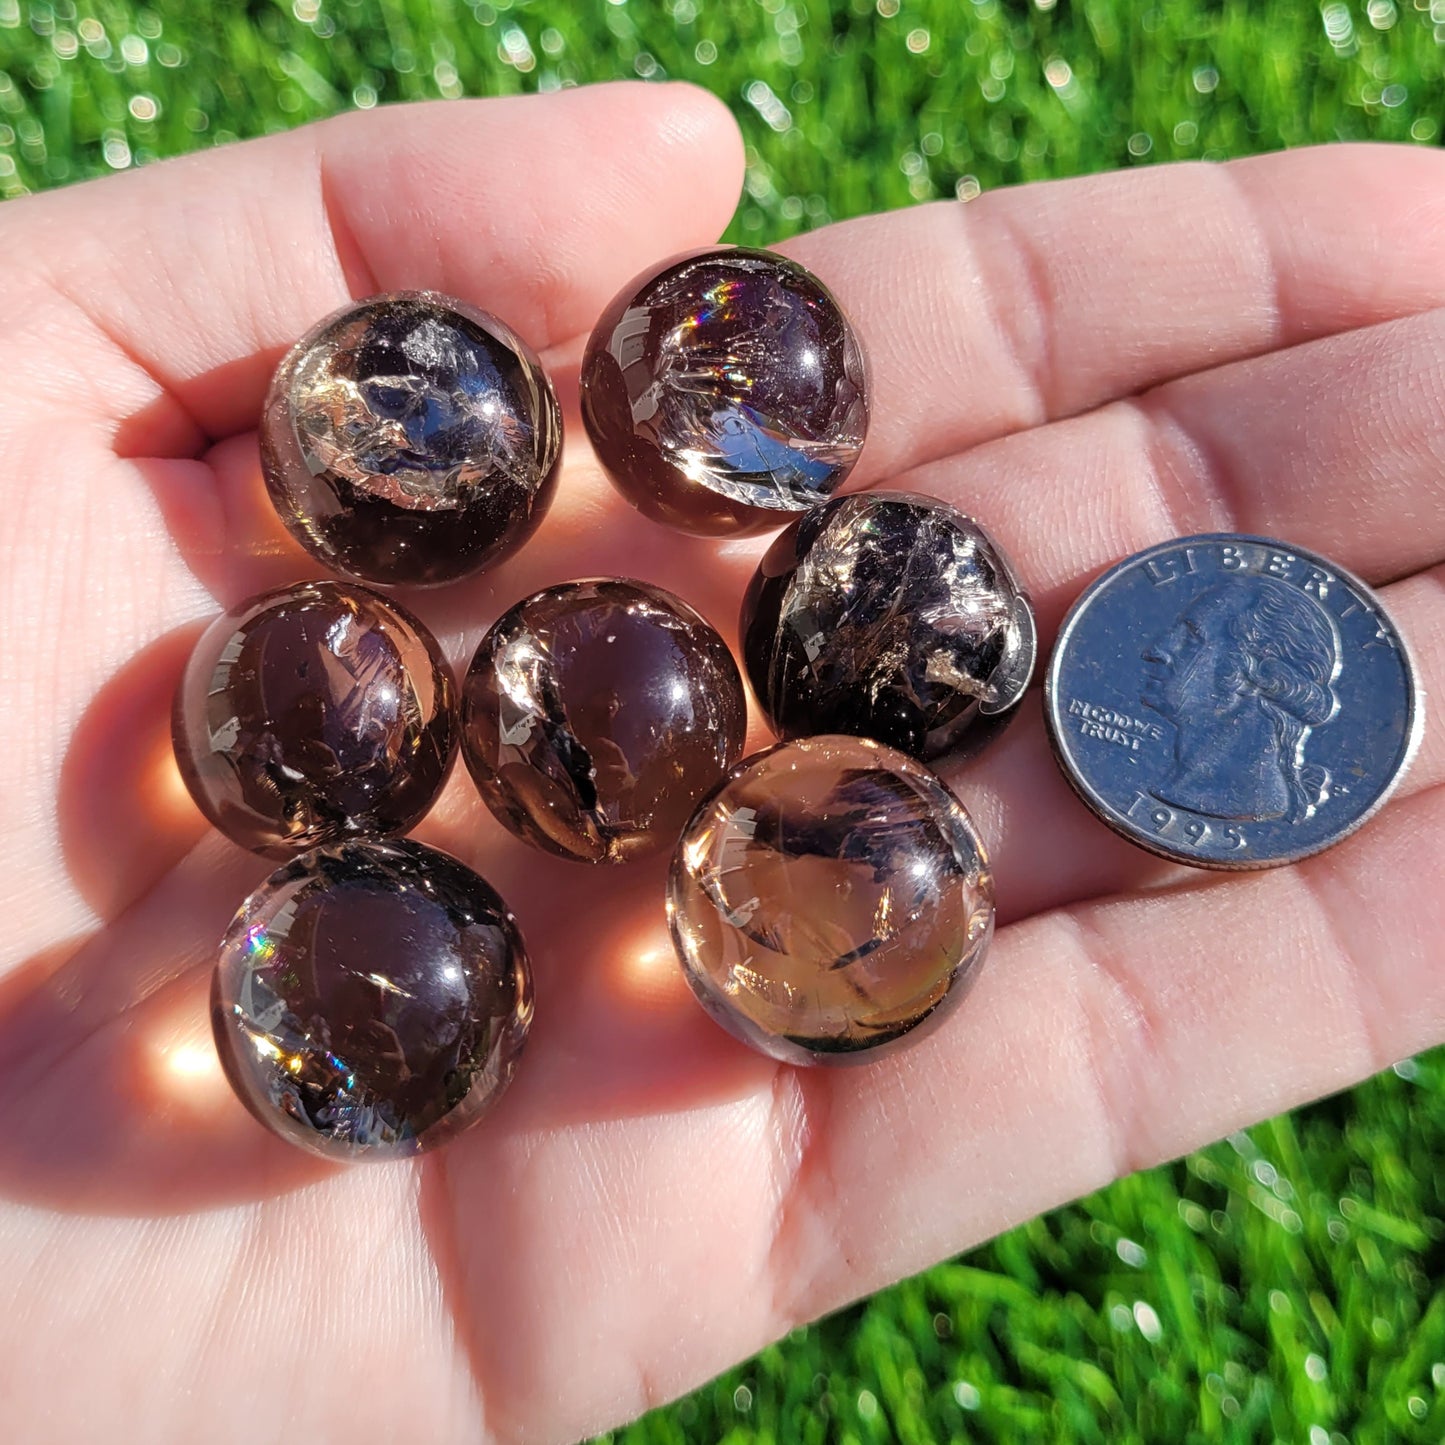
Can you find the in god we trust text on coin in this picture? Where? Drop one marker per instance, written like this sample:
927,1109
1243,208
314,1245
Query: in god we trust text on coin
1232,701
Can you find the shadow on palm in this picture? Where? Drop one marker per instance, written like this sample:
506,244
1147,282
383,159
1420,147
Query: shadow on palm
115,1098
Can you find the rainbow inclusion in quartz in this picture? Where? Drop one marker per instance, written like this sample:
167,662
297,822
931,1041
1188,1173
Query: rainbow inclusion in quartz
371,999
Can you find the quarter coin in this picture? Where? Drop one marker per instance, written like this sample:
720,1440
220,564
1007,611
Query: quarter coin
1232,701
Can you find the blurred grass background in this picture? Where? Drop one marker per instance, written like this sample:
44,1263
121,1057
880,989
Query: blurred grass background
1280,1286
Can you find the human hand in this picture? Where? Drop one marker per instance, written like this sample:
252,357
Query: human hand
1088,367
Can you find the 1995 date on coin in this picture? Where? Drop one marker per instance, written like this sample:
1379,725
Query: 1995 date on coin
1232,701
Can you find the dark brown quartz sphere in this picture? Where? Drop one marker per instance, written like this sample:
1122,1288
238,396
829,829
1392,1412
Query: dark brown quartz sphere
370,999
725,391
890,616
410,439
595,715
314,713
829,900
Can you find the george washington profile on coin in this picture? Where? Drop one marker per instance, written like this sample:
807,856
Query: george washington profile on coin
1232,701
1246,673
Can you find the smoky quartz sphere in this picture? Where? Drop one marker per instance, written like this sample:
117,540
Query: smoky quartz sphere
725,391
889,616
370,999
314,713
410,439
829,900
596,714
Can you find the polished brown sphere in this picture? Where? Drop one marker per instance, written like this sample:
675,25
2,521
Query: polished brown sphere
410,439
371,999
595,715
890,616
313,713
725,392
829,900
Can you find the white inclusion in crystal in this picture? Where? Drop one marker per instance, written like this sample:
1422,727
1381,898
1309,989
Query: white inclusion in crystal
629,345
519,669
263,1046
280,925
743,977
758,464
741,914
259,1004
223,739
387,986
514,726
358,1121
221,676
883,915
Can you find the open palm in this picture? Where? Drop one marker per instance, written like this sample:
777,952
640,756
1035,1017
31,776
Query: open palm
1088,367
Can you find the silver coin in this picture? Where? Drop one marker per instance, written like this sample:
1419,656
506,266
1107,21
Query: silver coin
1231,701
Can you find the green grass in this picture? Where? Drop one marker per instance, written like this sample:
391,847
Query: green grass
848,107
1278,1286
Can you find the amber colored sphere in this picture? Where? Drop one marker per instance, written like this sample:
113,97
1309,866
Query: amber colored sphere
831,899
313,713
595,715
370,999
889,616
725,391
410,439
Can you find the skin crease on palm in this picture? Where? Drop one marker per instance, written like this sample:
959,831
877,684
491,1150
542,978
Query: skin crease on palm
1089,366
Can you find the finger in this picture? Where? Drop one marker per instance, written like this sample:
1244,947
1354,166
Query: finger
130,994
1335,445
632,1102
233,539
164,299
644,1081
91,585
1041,301
1346,426
1096,1040
1114,1035
197,272
157,1219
